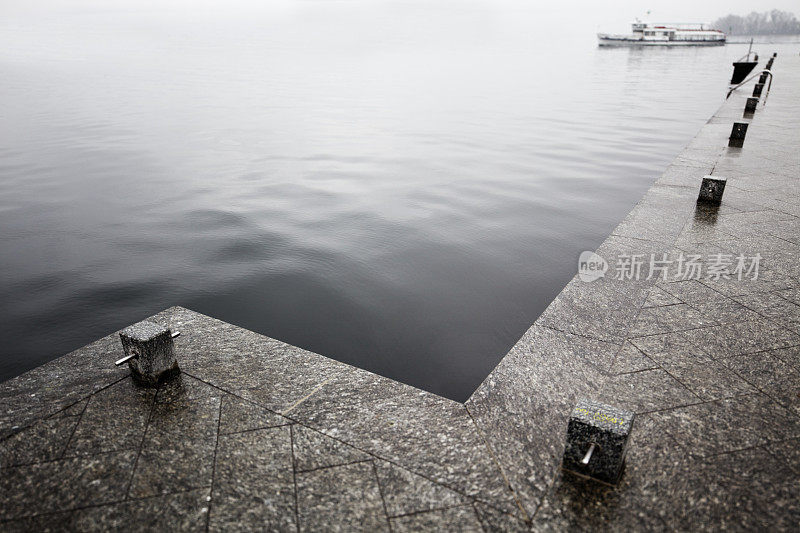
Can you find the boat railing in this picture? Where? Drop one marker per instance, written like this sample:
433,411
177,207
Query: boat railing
765,71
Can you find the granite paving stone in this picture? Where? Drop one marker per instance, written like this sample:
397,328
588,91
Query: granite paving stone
184,387
631,359
493,520
521,408
600,316
784,229
185,419
691,291
15,416
671,348
792,294
76,409
658,297
742,338
681,175
701,228
771,305
710,380
405,492
644,499
648,390
648,437
313,450
659,216
776,254
577,504
45,440
789,355
765,492
241,415
341,498
162,471
130,405
53,386
455,519
731,424
787,453
44,523
292,379
253,484
726,311
768,280
177,452
393,422
185,511
64,484
669,318
769,374
603,310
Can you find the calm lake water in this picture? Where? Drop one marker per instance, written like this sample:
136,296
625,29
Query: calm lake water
400,187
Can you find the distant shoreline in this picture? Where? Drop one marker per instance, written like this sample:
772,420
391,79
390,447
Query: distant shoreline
764,39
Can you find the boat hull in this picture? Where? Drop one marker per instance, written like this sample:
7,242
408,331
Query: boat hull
741,69
604,40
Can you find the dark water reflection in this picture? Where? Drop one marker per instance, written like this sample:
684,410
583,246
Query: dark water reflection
401,189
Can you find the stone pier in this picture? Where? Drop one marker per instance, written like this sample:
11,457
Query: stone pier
256,434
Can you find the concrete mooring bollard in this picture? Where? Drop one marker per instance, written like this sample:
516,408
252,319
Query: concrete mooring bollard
597,441
757,88
751,105
763,78
738,133
149,352
711,190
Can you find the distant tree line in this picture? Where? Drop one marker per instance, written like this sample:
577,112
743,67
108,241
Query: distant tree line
773,22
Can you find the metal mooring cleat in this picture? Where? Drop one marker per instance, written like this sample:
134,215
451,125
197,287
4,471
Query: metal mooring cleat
149,352
751,105
711,190
757,88
738,133
597,441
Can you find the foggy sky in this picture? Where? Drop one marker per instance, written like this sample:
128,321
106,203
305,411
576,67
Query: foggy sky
583,12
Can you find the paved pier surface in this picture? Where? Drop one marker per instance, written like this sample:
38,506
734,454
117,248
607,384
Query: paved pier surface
258,434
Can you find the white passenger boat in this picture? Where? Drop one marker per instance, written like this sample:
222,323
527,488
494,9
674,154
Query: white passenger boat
664,34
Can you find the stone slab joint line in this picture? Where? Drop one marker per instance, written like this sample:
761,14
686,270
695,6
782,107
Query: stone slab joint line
716,161
214,467
75,429
294,480
141,447
380,492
